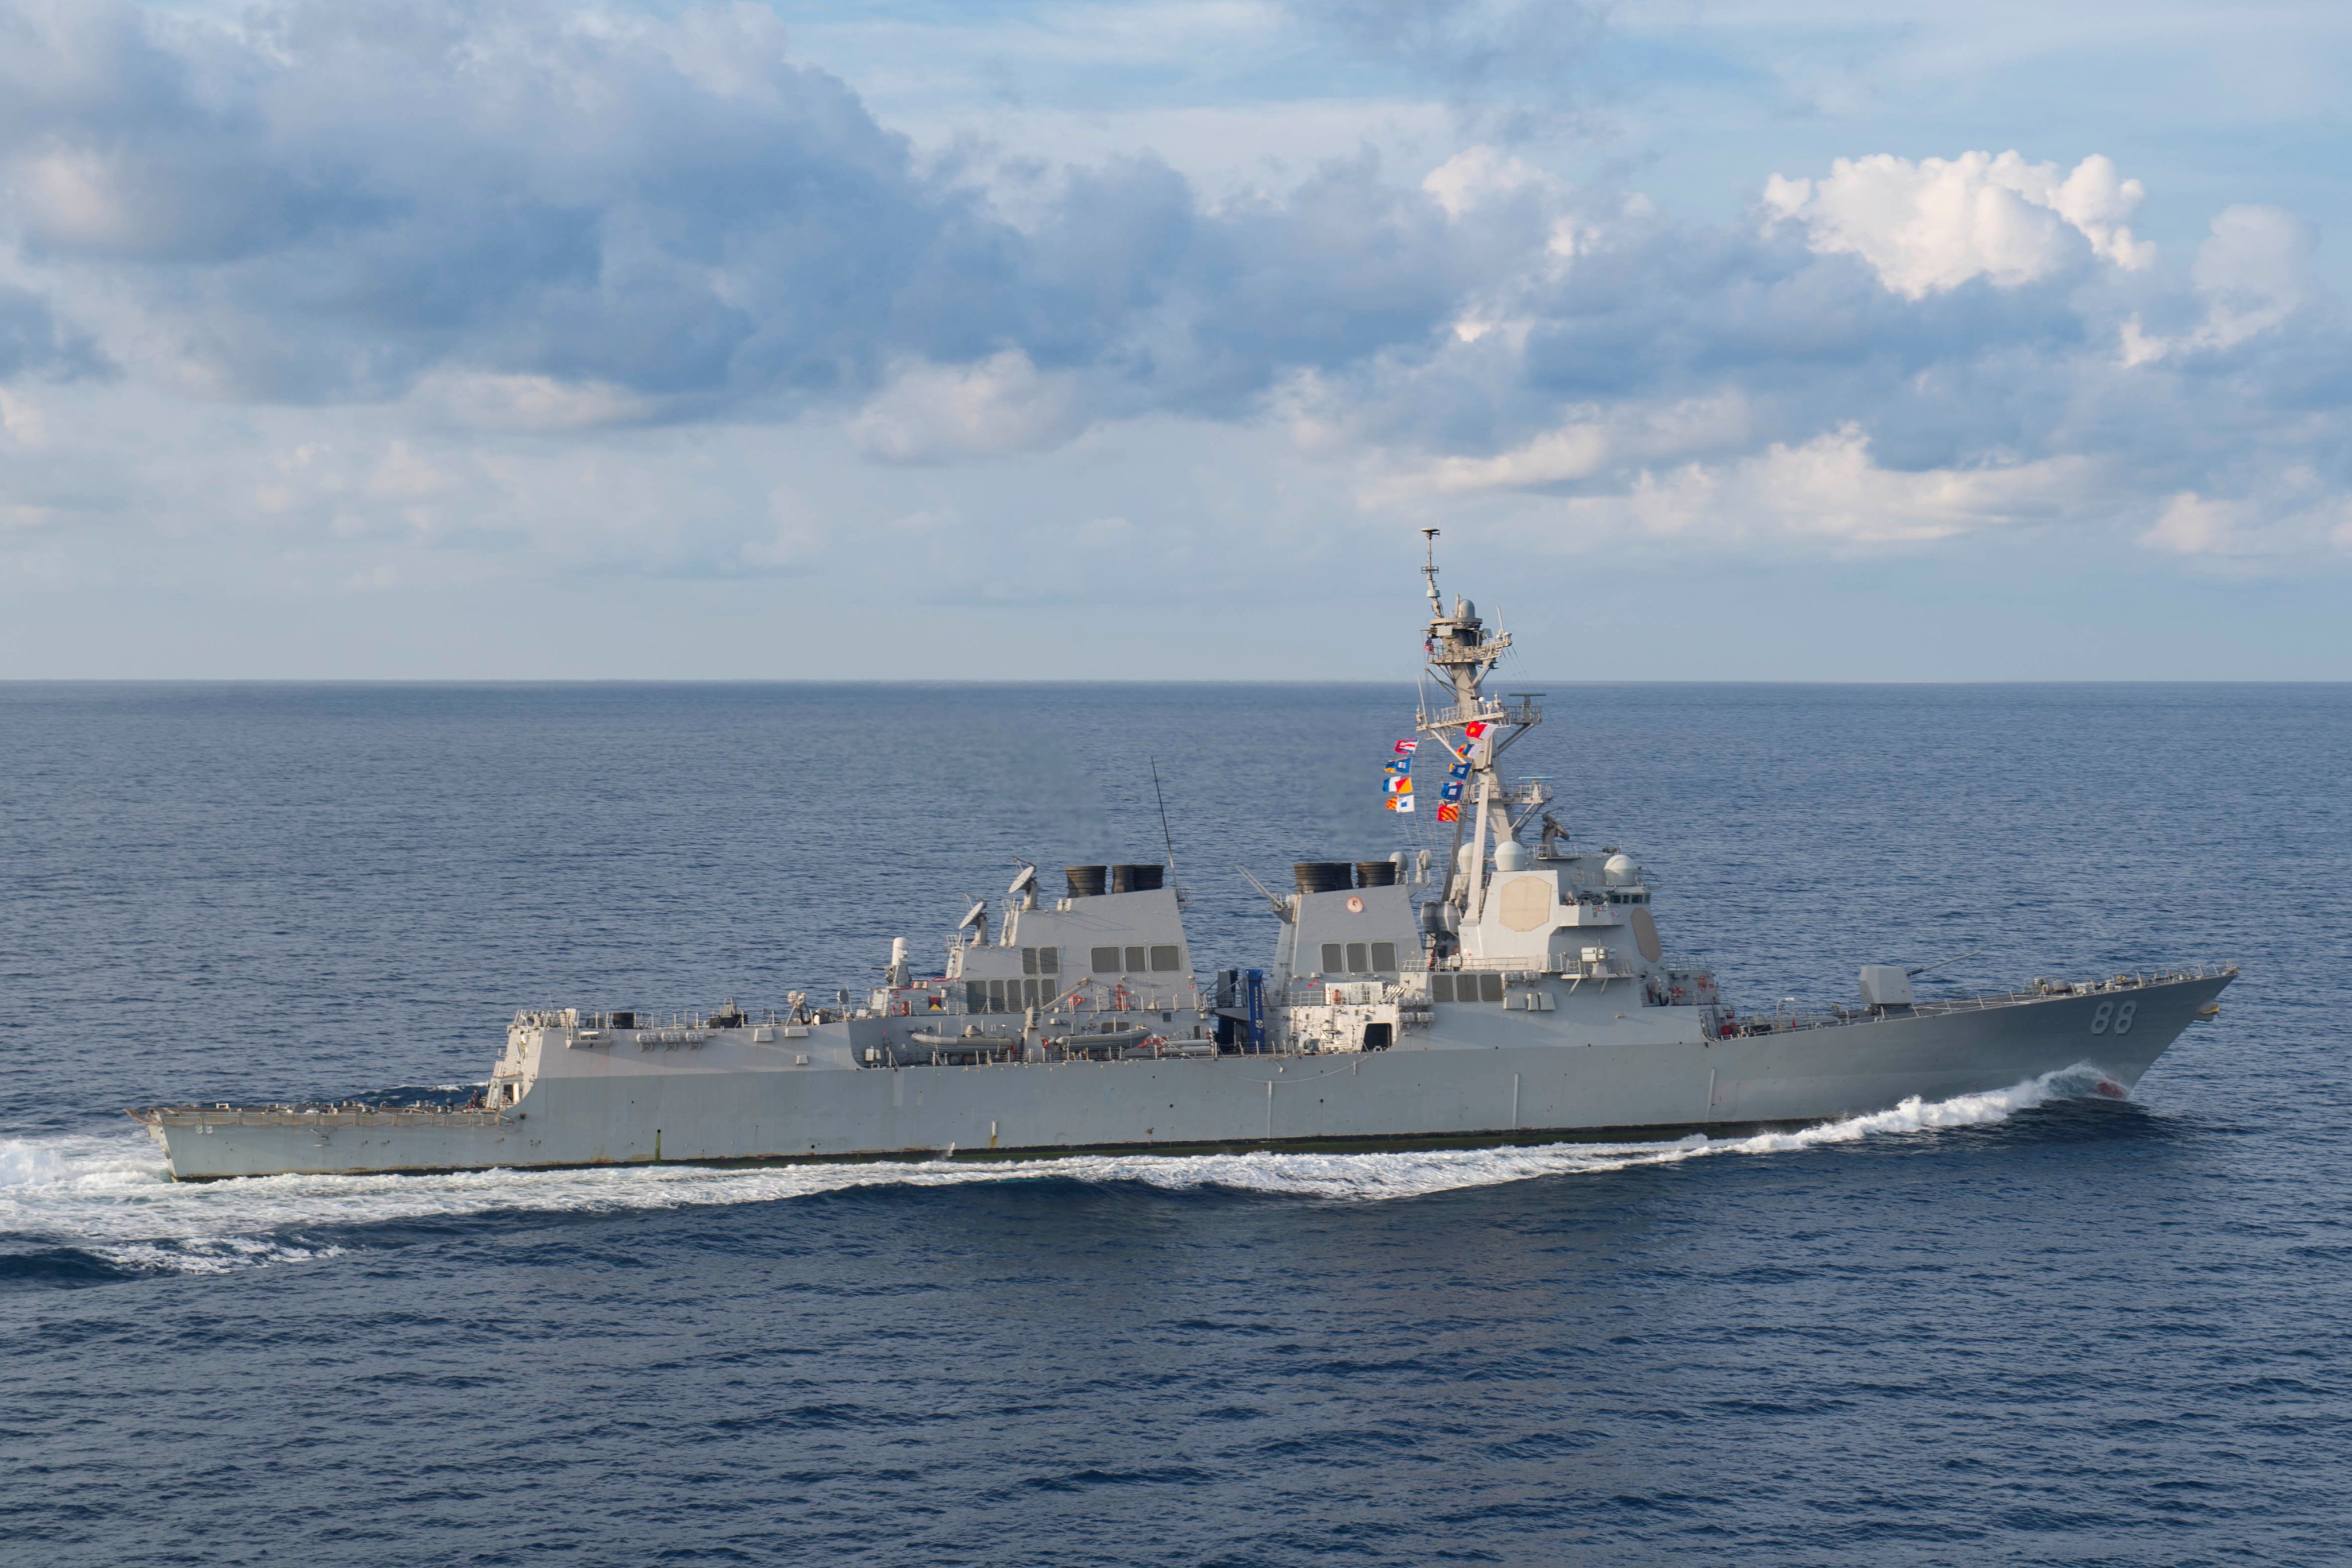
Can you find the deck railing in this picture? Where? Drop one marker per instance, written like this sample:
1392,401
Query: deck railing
317,1116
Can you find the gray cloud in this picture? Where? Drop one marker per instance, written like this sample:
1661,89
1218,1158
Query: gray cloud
1508,66
350,196
603,220
33,341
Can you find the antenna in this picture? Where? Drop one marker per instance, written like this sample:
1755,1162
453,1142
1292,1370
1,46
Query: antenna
1025,878
1165,836
1429,570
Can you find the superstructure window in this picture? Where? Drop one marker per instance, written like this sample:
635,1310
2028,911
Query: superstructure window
1028,960
1490,988
1441,988
1384,956
975,996
1106,961
1135,961
1164,960
996,996
1356,962
1049,961
1332,961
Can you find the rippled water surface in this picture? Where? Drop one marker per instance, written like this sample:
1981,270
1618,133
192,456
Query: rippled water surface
2034,1326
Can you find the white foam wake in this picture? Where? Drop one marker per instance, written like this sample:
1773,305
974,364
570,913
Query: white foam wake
112,1196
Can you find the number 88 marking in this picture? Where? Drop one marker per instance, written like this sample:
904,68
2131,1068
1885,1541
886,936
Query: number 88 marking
2121,1018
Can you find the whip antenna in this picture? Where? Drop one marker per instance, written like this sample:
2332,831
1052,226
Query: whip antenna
1165,836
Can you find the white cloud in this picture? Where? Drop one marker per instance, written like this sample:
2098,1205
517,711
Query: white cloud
936,412
2295,515
530,289
799,532
2192,525
22,421
1930,227
481,400
1832,490
74,196
2252,273
1480,175
1592,442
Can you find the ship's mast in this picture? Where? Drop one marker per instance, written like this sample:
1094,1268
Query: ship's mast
1462,653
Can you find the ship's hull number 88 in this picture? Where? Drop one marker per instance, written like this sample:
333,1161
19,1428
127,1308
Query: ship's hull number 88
2109,1015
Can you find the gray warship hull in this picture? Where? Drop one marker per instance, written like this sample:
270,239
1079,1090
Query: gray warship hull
1473,1072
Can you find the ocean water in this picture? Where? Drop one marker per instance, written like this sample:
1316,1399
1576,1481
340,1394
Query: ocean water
2033,1326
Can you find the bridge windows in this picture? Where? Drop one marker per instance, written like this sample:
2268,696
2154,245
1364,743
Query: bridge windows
1166,959
1106,961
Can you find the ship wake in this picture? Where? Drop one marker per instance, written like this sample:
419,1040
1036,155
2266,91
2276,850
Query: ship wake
76,1209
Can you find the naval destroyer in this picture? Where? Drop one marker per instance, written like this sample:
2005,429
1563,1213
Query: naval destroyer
1512,988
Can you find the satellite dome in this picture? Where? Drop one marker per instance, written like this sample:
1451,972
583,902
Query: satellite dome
1461,858
1621,870
1511,856
1464,610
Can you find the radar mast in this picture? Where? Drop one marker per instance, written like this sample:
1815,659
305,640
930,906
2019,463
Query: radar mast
1462,652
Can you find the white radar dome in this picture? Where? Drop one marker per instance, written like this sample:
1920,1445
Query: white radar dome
1511,856
1461,858
1621,870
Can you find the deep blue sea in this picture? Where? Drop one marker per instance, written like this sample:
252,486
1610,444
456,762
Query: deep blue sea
2022,1328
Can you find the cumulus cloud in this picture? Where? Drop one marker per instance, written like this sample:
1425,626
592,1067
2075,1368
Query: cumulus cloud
1831,491
1503,62
22,421
519,222
2296,515
1591,443
1933,225
933,412
342,201
2253,274
1478,175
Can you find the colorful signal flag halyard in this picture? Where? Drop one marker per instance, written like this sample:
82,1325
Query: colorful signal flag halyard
1399,782
1449,813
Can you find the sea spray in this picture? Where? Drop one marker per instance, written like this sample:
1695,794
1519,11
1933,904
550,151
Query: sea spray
111,1197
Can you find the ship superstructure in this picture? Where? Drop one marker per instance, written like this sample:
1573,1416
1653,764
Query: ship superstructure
1487,989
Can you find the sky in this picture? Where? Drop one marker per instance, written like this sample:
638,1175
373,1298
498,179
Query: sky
1765,340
